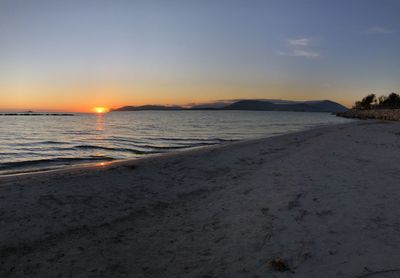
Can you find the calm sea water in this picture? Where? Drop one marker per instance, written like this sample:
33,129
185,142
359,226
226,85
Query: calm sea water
30,143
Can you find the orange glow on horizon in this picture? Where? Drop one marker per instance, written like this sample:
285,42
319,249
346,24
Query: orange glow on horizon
87,99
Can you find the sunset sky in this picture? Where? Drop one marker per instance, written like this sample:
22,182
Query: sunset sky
74,55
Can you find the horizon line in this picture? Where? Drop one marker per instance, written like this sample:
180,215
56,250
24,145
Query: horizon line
187,105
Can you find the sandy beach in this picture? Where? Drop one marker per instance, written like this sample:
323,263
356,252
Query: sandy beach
323,202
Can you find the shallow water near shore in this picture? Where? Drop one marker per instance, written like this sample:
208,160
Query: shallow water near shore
34,143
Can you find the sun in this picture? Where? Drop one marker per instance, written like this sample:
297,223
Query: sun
100,109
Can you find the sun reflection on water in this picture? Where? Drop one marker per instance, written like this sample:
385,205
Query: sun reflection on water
99,122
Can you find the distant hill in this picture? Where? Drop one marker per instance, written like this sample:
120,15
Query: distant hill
252,105
327,106
213,105
269,106
148,107
306,106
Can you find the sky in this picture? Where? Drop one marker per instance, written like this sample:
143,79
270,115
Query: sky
77,54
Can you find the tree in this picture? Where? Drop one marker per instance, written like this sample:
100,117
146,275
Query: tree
366,102
392,101
357,105
381,100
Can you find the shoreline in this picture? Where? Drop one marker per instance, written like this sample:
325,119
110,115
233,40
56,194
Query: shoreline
87,165
384,114
315,200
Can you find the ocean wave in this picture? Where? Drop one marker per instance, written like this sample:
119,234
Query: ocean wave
78,132
123,139
181,146
189,139
151,148
92,147
38,143
48,161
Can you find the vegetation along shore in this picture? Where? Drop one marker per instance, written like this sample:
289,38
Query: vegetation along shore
372,107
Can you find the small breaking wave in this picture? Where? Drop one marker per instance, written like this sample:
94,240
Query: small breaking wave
219,140
37,143
93,147
52,161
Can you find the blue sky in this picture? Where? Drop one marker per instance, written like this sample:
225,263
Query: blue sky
133,52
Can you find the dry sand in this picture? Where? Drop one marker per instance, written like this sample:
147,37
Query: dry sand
325,201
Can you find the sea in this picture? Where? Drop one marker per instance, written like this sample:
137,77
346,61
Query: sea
39,143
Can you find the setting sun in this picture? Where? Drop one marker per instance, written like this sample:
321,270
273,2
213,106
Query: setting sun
100,109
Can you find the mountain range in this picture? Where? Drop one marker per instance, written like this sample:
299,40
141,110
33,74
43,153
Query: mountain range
251,105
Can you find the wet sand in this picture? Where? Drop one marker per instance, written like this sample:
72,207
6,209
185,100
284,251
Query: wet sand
320,203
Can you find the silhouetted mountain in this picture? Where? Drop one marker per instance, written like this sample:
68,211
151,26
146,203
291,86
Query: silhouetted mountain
327,106
256,105
268,106
148,107
307,106
211,105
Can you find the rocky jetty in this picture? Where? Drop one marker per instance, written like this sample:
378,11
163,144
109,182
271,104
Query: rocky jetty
379,114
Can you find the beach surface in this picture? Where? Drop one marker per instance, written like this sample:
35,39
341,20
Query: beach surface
318,203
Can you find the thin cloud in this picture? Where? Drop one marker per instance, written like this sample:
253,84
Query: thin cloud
300,47
300,53
299,42
379,30
305,53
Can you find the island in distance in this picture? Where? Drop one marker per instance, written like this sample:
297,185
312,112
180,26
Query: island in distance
252,105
